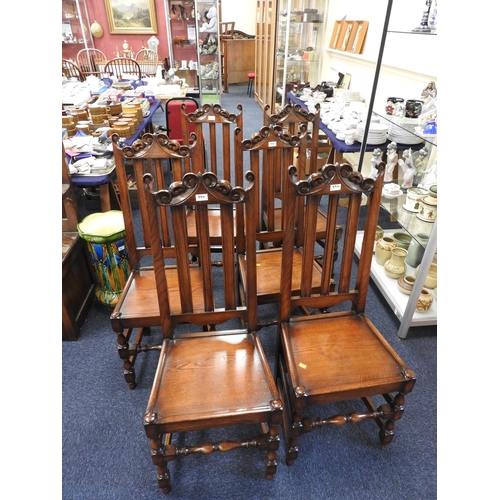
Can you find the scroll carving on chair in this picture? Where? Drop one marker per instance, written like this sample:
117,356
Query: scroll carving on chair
332,352
212,371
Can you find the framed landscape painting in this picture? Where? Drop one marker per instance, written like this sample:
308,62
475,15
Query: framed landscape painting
131,16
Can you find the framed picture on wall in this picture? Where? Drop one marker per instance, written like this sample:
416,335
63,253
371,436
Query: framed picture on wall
131,16
337,29
358,33
345,34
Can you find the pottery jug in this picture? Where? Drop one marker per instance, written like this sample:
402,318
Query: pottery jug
425,300
383,249
395,267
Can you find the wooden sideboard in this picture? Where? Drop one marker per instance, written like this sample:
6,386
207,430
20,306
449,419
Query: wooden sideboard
238,60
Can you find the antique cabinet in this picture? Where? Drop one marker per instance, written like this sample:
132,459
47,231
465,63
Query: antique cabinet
239,57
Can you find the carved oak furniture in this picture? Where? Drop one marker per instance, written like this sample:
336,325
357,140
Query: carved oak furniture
334,353
212,371
137,309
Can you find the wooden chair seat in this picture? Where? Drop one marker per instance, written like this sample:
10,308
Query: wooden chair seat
365,355
236,380
139,306
269,274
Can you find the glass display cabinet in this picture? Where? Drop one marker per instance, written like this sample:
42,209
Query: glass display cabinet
75,28
209,60
299,37
182,42
194,46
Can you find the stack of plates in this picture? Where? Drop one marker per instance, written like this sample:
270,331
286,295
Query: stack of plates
402,136
377,134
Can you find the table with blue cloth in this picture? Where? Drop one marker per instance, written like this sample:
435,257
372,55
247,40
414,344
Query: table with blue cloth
104,181
340,147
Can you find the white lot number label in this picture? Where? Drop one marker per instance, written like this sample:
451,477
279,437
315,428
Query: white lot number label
202,197
335,187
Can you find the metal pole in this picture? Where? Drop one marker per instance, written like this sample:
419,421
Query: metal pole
375,83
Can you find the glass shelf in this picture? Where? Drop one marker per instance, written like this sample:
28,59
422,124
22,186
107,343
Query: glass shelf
419,229
411,125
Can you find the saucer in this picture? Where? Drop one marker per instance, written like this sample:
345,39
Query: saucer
392,195
410,209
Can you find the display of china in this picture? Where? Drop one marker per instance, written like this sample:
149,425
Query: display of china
402,239
416,249
383,249
395,267
379,232
405,284
431,278
427,209
425,300
413,197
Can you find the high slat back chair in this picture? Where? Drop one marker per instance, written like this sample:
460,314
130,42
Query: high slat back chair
137,309
217,127
306,156
148,61
268,154
333,353
91,62
71,70
212,371
123,67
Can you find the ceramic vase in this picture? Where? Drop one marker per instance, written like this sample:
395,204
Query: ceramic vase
416,249
431,278
395,267
425,300
383,249
402,239
405,284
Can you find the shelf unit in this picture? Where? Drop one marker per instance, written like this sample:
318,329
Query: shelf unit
182,42
194,52
404,307
300,35
75,28
209,60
